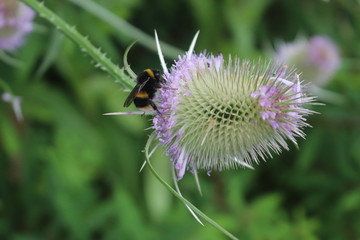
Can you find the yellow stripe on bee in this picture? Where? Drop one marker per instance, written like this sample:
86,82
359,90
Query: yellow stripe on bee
150,72
142,95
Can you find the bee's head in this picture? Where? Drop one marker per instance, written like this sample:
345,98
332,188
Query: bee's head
158,76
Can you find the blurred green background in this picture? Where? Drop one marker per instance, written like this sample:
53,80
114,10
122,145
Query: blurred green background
68,172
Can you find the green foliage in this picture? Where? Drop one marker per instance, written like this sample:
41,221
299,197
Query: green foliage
68,172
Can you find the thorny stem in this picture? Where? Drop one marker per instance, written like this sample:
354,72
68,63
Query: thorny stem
85,45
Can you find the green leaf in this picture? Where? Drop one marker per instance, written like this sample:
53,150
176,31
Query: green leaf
124,28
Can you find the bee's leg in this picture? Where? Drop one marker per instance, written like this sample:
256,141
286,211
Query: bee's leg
167,88
152,104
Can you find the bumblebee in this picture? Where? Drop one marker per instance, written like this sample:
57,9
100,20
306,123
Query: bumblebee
147,83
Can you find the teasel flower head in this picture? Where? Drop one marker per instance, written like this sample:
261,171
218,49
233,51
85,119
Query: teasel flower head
316,58
15,22
218,114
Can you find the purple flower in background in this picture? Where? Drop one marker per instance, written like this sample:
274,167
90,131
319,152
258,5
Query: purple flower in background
218,114
15,22
317,58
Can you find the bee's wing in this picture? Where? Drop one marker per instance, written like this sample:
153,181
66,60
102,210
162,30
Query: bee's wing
131,96
134,92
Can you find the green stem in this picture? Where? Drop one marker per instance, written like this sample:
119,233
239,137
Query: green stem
85,45
181,198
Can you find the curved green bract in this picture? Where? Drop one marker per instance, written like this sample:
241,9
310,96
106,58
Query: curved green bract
126,64
181,198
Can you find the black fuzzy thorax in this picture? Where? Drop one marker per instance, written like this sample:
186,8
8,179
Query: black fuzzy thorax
151,86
